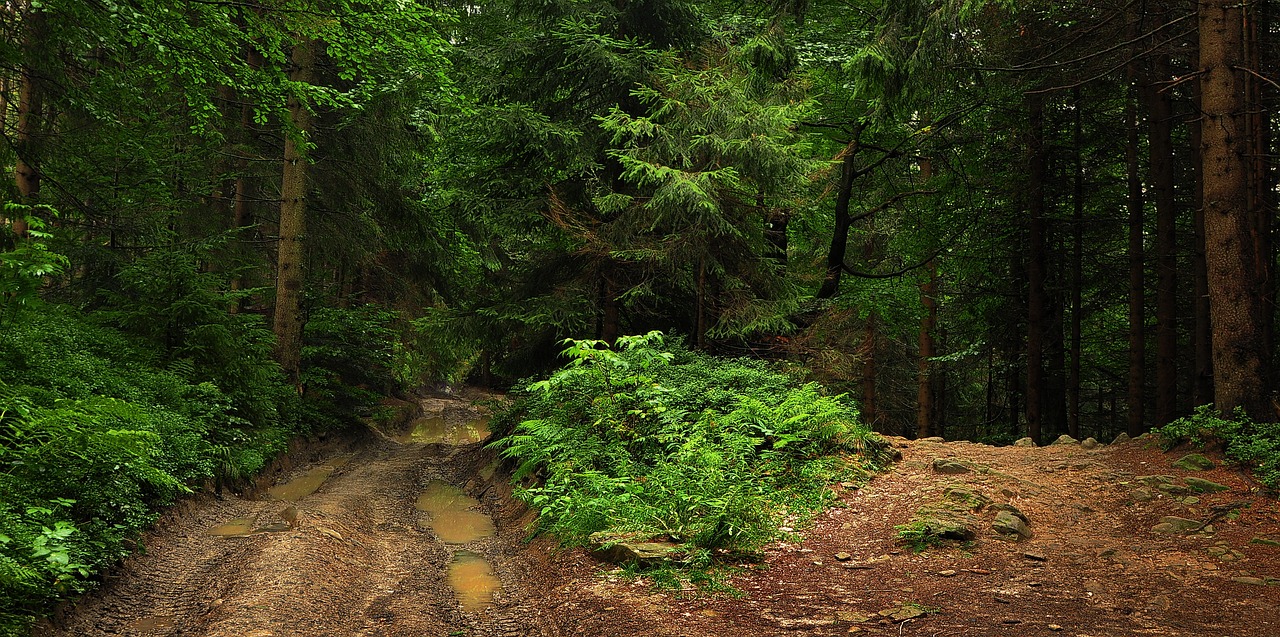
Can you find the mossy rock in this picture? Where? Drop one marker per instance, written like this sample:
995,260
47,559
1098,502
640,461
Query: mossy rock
1194,462
1200,485
974,500
951,466
1175,525
939,524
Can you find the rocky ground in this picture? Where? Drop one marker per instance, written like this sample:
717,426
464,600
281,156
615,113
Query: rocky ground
1121,542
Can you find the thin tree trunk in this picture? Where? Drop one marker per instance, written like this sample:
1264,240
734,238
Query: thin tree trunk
1160,127
241,214
609,325
1237,304
1037,305
289,315
700,306
870,412
1077,251
840,234
1137,290
926,424
26,170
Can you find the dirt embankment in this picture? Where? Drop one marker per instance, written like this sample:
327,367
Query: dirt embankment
360,556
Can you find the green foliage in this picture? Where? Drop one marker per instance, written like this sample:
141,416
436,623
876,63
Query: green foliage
349,355
918,536
1253,444
23,268
651,440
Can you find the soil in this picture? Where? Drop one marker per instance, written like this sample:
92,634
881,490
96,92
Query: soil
357,558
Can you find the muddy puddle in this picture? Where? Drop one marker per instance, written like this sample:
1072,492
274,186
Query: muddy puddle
244,527
452,517
435,430
306,484
473,581
153,624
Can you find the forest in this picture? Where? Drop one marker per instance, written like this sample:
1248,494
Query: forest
234,223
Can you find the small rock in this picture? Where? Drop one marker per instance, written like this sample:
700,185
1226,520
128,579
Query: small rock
1024,442
947,573
1090,443
1266,541
1121,439
1055,628
1155,481
1064,439
933,439
1007,523
843,557
1176,525
1174,489
1193,462
853,618
1143,494
1200,485
952,467
1013,510
1036,557
849,486
1252,581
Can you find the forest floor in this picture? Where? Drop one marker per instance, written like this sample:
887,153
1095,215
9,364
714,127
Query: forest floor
356,557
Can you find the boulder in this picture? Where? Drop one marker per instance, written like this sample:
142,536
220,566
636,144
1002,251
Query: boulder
951,467
622,549
1006,523
1064,439
1024,442
1121,439
1193,462
1200,485
1090,443
1012,510
974,500
1176,525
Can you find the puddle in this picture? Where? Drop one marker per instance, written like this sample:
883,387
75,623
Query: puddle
307,483
152,624
451,516
436,430
473,581
238,527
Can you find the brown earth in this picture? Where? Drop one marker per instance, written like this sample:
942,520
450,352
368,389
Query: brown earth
359,560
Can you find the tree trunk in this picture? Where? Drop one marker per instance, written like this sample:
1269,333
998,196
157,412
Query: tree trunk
700,306
1137,291
1160,126
870,413
241,215
1037,305
926,424
1202,334
26,171
289,315
840,235
1236,300
609,325
1077,251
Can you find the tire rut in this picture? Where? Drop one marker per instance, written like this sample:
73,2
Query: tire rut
357,558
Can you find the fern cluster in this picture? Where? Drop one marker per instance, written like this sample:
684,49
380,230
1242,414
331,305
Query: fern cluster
651,440
1252,444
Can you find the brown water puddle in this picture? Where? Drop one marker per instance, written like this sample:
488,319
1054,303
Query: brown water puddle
238,527
451,516
435,430
307,483
473,581
153,624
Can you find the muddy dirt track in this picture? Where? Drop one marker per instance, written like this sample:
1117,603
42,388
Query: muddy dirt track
353,558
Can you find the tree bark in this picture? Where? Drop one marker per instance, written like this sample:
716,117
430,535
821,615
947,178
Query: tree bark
926,424
1202,334
289,315
1077,251
26,171
1037,303
1236,299
1160,129
840,234
1137,290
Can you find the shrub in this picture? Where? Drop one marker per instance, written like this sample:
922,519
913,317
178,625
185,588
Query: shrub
1253,444
651,440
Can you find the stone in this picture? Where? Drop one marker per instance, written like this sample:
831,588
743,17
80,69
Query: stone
947,573
1143,494
1036,557
1155,481
1064,439
1174,489
951,467
1090,443
1024,442
933,439
843,557
1012,510
1252,581
1007,523
944,522
1265,541
1176,525
1193,462
974,500
1200,485
851,617
1121,439
1055,628
620,549
902,613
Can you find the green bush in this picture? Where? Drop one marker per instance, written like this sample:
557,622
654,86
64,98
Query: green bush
1253,444
652,441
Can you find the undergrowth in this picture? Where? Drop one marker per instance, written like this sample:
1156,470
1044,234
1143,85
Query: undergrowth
649,440
1252,444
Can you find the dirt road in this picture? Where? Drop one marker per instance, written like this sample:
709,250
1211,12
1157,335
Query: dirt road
355,557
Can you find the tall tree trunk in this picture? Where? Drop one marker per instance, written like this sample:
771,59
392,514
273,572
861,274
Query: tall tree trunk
926,424
1077,251
870,400
1160,127
1261,184
26,171
1237,305
1137,290
1037,303
289,315
1202,333
241,214
840,235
